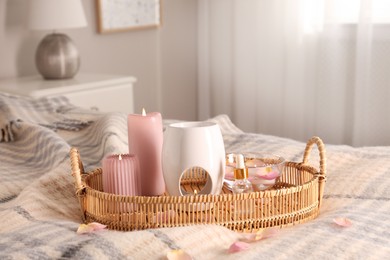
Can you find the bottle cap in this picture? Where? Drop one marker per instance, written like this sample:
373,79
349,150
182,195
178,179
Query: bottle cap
240,172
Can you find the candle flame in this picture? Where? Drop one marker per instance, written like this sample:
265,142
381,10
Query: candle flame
120,157
195,192
143,112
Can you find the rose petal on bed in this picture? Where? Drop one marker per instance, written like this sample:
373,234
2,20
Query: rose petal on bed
89,228
97,226
249,238
342,222
178,254
261,234
267,233
238,246
83,228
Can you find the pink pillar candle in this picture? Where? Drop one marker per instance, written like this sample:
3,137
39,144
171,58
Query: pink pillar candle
121,175
145,134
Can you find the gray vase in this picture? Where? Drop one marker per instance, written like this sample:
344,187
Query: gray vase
57,57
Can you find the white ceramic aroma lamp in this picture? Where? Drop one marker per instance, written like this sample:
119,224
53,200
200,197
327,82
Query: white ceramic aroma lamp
193,144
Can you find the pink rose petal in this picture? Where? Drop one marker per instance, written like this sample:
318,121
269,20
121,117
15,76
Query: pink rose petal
249,238
342,222
89,228
269,232
238,246
270,175
259,235
83,228
97,226
178,255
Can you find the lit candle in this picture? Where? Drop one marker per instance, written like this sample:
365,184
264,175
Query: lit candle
145,134
121,175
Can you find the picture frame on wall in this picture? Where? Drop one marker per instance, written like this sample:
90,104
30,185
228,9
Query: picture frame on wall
124,15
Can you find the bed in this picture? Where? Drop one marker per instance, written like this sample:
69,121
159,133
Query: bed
40,214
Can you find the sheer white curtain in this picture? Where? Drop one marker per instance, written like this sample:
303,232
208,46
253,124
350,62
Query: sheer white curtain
298,68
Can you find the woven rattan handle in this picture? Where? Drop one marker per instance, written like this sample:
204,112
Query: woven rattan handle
77,171
321,148
322,176
77,167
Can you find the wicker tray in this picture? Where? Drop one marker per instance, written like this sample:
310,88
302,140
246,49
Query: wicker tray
296,198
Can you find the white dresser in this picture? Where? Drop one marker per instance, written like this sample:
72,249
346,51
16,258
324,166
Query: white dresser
106,93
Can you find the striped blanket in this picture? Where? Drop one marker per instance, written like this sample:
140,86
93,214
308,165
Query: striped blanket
40,214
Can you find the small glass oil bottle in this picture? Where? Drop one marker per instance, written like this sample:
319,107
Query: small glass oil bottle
241,183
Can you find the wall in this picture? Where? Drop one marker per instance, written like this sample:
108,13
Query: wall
163,60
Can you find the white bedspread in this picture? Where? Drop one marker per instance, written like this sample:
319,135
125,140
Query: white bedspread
39,212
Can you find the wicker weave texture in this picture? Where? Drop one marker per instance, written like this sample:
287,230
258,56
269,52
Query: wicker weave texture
296,198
